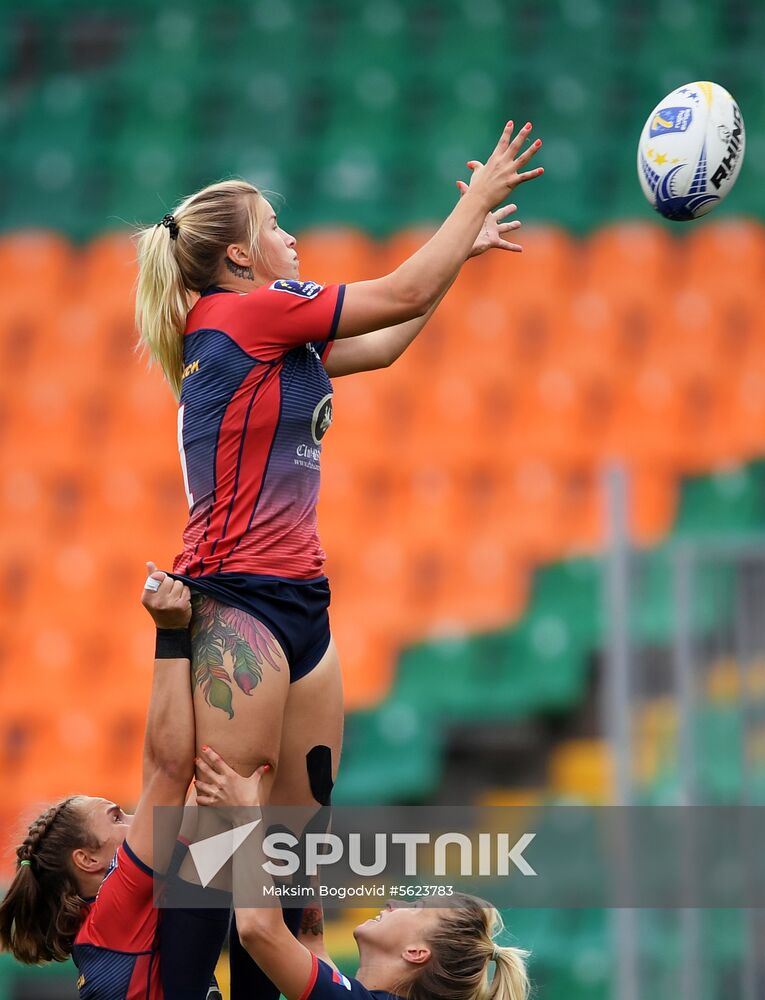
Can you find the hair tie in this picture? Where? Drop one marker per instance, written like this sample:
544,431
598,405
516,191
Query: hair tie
495,955
24,862
169,222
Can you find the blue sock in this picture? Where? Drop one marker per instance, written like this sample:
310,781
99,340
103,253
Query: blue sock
190,940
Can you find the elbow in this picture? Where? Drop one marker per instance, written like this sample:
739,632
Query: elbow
172,767
253,931
413,299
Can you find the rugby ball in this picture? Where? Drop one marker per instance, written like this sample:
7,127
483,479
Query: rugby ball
691,150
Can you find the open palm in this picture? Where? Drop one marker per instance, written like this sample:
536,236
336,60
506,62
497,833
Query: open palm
494,229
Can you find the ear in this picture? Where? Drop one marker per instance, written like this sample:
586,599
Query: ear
238,254
416,955
84,861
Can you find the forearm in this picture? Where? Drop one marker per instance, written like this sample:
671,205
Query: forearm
169,739
284,959
430,271
395,339
378,349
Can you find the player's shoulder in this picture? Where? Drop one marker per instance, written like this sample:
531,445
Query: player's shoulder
329,983
292,286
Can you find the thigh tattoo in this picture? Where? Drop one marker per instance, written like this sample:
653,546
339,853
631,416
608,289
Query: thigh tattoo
229,647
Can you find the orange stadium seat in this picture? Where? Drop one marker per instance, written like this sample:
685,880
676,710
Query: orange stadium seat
630,257
485,586
653,503
109,261
748,411
728,252
35,263
367,655
401,245
645,424
331,256
531,497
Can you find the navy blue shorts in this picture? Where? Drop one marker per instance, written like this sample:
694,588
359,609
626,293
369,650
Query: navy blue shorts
294,611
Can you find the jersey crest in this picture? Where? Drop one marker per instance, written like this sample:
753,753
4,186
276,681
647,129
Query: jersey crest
304,289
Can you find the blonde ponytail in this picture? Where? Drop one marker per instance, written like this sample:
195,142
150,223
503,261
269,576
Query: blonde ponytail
462,950
162,302
511,981
182,256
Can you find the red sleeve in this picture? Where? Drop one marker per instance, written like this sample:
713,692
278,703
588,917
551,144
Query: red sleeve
287,314
123,916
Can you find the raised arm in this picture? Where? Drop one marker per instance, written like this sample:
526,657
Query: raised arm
381,348
169,740
416,285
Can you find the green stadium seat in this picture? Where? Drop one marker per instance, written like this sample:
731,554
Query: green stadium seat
537,667
727,503
390,754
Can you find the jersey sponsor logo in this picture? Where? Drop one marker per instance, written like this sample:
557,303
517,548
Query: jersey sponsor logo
80,982
322,418
340,979
190,368
303,289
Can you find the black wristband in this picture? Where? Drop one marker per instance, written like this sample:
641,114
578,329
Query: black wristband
173,644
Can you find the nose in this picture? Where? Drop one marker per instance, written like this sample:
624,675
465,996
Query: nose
290,240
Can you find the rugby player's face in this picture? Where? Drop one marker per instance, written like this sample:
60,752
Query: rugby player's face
108,824
399,931
278,249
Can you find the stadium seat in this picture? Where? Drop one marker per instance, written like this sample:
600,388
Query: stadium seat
582,770
35,262
391,754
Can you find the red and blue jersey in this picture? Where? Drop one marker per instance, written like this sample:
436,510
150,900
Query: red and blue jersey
255,404
115,950
327,983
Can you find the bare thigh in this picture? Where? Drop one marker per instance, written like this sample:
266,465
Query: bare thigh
241,681
313,717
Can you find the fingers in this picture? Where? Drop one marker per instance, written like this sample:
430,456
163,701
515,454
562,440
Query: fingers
517,144
504,139
204,772
514,247
474,164
207,795
214,760
525,156
462,188
508,227
502,213
530,175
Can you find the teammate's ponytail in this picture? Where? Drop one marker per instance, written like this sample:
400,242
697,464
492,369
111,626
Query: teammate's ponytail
43,910
462,952
181,256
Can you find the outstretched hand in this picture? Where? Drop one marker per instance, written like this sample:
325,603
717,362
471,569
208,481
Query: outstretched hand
494,229
504,170
217,784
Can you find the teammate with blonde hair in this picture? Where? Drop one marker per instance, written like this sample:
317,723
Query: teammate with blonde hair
411,952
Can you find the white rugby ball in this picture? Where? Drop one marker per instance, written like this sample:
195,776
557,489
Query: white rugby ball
691,150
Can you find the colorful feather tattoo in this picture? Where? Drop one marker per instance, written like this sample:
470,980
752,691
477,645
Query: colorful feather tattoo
221,635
